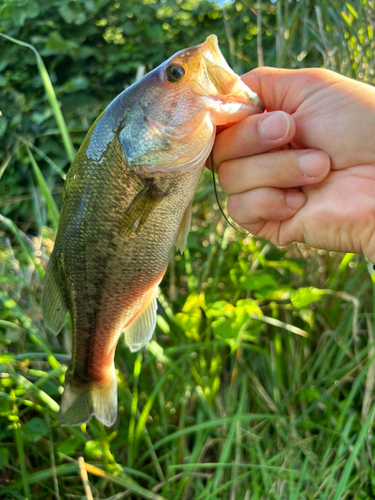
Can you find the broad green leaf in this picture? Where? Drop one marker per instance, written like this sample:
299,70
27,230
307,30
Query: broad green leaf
69,446
303,297
257,282
190,318
35,428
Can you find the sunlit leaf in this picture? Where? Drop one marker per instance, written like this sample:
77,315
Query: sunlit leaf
303,297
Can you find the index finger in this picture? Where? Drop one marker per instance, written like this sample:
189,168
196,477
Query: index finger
253,135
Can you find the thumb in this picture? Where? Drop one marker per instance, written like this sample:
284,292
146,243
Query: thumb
283,89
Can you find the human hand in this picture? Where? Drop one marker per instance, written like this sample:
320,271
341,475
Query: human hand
321,189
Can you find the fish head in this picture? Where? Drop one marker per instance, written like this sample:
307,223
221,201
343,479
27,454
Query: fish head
176,107
213,82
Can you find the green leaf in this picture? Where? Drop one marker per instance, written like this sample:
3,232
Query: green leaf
308,316
222,328
346,18
352,10
69,446
221,308
72,13
290,265
257,282
35,429
56,44
232,319
303,297
190,318
29,10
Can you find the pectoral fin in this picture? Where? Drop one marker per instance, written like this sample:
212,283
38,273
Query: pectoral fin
184,229
140,208
140,330
54,308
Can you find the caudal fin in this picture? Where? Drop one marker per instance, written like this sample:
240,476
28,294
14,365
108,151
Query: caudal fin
82,400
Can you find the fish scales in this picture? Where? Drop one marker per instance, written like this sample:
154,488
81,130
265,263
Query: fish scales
126,202
111,275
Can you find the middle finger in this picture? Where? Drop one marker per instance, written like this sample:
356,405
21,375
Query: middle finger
280,169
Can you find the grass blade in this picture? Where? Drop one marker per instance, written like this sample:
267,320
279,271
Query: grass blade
50,202
345,476
50,95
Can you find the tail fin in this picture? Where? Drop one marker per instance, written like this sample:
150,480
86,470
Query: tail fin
82,400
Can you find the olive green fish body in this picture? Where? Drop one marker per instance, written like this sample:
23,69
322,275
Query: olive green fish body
109,270
126,202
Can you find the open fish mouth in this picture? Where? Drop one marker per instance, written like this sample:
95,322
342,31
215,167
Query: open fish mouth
217,81
233,103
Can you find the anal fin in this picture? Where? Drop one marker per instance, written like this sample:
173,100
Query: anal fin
140,330
53,304
184,229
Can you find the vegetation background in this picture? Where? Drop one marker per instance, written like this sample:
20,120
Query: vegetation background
259,382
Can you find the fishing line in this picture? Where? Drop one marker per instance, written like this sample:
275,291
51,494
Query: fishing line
217,197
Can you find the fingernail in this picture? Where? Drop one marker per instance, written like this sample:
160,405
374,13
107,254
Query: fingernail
274,126
314,164
295,199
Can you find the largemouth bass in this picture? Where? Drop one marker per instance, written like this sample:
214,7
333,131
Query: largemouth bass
126,202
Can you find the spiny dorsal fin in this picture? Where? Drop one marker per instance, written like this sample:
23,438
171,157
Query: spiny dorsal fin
184,229
140,330
53,304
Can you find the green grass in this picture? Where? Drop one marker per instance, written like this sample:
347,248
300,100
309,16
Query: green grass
219,404
259,381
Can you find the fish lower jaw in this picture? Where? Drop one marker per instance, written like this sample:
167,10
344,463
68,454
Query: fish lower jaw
231,112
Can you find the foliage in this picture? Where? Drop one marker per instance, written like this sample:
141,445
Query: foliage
259,381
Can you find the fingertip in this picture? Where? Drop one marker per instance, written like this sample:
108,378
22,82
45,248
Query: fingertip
276,126
315,164
295,199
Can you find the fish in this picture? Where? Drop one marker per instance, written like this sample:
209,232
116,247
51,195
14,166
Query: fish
127,201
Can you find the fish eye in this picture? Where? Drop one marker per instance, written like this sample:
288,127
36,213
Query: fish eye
174,73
